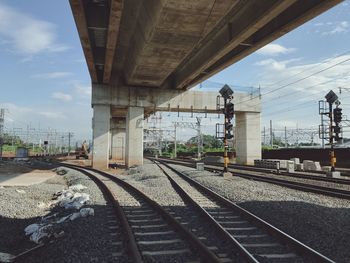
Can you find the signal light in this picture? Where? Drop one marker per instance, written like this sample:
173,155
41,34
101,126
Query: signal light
337,113
228,126
230,110
336,129
337,137
226,91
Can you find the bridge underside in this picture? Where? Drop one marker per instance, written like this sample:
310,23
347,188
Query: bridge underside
140,48
178,43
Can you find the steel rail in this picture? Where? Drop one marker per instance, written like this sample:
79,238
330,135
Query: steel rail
273,171
328,191
131,240
204,253
297,245
248,256
295,174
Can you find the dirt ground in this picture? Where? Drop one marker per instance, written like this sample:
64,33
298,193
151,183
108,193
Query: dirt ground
24,173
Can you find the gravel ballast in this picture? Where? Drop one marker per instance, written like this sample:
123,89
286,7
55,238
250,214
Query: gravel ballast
153,182
319,221
85,239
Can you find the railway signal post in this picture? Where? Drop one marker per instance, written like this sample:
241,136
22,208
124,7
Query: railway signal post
334,126
227,93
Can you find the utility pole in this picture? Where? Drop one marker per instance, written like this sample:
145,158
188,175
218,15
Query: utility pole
271,134
297,135
175,142
285,137
264,136
199,138
2,122
69,138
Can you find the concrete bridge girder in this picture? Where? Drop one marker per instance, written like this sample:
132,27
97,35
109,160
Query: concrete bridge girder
153,99
126,111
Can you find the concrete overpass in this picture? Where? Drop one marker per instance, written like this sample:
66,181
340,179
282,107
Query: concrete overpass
141,54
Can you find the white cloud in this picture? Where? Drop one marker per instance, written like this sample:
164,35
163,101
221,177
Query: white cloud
83,91
274,64
339,27
27,35
61,96
52,115
298,88
52,75
274,50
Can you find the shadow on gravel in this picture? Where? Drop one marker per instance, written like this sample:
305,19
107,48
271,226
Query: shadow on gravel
84,240
324,229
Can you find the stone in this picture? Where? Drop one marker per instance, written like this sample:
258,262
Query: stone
227,174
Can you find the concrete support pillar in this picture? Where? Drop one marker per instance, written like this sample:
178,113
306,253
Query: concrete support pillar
248,137
118,139
134,136
101,137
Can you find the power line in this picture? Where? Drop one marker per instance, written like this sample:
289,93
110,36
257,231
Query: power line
297,81
303,71
308,87
313,74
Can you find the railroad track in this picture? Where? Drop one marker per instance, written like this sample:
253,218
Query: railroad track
268,178
152,234
255,239
319,177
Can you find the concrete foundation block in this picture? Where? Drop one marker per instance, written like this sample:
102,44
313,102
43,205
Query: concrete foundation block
295,160
311,165
326,168
299,167
283,164
200,166
335,174
308,165
290,166
317,166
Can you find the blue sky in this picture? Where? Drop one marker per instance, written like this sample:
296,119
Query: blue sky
44,79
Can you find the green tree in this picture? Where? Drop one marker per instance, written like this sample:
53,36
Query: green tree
209,141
